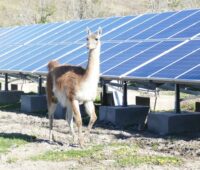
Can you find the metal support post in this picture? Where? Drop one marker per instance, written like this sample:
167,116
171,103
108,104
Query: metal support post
104,97
40,85
6,82
177,98
125,93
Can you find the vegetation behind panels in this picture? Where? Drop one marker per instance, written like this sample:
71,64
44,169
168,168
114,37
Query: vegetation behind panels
23,12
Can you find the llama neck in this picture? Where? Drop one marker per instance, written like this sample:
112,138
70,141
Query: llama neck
92,70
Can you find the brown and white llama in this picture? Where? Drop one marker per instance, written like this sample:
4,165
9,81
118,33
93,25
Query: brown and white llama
71,85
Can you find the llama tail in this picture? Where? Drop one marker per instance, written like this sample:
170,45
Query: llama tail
53,64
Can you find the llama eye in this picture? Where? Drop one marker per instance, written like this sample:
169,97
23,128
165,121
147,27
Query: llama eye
96,39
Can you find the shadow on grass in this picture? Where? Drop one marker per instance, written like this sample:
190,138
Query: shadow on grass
27,138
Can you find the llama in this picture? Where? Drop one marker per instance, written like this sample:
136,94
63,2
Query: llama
71,85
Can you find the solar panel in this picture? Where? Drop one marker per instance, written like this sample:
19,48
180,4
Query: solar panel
150,46
132,24
164,24
179,26
134,31
189,32
144,52
191,74
166,60
179,67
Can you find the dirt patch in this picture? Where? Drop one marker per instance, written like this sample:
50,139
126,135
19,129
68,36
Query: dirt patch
185,147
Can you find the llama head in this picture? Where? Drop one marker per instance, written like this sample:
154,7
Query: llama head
93,39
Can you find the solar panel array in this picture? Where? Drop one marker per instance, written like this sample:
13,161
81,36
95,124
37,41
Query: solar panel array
160,46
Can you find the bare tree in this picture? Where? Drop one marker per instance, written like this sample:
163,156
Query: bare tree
174,4
83,6
154,5
46,9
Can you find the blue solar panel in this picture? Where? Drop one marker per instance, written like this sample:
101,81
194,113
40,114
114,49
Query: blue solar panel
27,63
13,55
63,31
63,51
118,23
3,31
140,28
78,33
192,74
179,26
189,32
93,26
136,21
14,32
26,33
155,30
79,58
5,49
26,55
166,60
121,65
180,66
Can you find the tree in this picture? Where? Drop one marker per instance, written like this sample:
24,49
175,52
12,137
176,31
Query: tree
46,9
173,4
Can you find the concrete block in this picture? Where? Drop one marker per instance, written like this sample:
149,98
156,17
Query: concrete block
33,103
124,116
165,123
10,96
38,103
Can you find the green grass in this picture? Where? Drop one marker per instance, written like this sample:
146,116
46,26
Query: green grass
128,156
188,106
67,155
136,160
12,160
10,106
7,143
123,154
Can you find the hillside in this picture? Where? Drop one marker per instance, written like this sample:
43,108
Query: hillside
23,12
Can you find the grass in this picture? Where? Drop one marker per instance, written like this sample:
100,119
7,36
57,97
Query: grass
8,143
10,106
12,160
123,154
188,106
136,160
67,155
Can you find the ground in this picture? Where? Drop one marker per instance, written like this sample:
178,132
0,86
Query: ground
24,145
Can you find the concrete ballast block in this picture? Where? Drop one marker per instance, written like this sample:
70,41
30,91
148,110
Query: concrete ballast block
124,116
33,103
10,96
37,103
165,123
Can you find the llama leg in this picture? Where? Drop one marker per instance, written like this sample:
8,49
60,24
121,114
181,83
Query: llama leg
69,117
89,106
51,110
78,120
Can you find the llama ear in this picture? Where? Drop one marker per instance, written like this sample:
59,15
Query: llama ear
99,31
88,31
